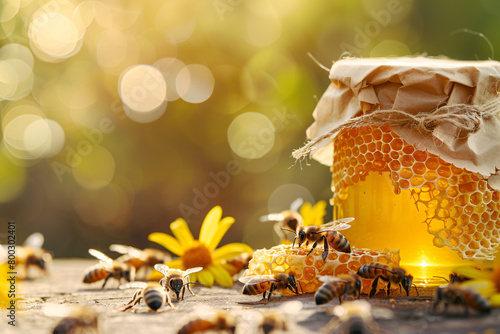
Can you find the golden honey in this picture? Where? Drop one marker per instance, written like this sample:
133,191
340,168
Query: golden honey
408,199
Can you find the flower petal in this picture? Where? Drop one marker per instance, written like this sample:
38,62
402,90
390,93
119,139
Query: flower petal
209,226
156,275
193,277
221,275
306,211
181,231
319,211
206,278
231,250
167,241
222,228
495,300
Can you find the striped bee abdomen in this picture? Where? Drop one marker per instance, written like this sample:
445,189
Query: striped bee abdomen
153,297
327,292
95,273
337,241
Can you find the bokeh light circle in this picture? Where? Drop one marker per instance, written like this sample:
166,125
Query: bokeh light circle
22,83
142,88
195,83
169,68
9,9
284,195
43,138
8,80
251,135
54,34
17,51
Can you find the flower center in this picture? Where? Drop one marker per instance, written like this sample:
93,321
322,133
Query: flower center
197,255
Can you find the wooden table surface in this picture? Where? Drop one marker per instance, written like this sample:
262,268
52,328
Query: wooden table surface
397,314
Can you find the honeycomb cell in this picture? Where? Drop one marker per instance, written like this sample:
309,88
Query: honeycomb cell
454,241
395,165
344,258
416,181
309,273
397,144
342,269
420,156
444,171
419,168
430,175
451,195
432,163
442,184
408,149
407,160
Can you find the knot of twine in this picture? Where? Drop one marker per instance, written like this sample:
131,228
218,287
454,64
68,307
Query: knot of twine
465,117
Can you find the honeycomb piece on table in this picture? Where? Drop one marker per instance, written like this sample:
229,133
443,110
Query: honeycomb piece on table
307,268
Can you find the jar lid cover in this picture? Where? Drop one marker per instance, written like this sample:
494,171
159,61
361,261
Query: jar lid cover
416,85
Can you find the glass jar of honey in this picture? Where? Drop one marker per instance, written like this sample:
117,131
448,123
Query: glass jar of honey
414,150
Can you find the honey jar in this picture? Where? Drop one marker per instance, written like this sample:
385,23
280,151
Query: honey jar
414,149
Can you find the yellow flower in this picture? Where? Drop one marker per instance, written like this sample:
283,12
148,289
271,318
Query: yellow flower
4,286
313,215
202,252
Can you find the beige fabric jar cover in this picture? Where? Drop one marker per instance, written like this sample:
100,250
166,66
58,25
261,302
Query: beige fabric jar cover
403,91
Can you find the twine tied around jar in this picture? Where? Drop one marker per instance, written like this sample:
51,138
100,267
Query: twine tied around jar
465,117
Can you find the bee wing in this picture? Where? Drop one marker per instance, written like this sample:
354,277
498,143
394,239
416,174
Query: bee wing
328,279
122,249
101,256
35,240
291,308
343,221
336,225
162,268
57,310
192,270
296,204
257,279
138,285
272,217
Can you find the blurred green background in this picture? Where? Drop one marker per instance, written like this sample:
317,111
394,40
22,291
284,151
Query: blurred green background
118,116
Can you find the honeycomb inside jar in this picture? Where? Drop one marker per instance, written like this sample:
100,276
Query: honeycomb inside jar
456,208
307,268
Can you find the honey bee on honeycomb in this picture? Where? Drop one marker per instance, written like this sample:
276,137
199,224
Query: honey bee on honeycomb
308,269
462,209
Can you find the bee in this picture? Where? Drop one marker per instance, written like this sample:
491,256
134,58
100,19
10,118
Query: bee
460,295
31,254
238,263
176,280
382,271
141,259
273,321
268,283
108,268
337,287
153,294
216,321
76,319
353,317
288,219
327,232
